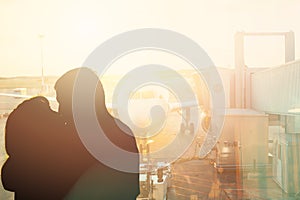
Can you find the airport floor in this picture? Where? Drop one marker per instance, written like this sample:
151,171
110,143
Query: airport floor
198,179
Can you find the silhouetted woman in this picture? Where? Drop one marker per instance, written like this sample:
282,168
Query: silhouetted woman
34,143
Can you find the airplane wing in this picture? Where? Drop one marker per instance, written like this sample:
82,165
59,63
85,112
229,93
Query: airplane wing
179,106
173,107
15,95
110,106
21,96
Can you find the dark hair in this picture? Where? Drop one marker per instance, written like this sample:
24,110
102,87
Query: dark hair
66,84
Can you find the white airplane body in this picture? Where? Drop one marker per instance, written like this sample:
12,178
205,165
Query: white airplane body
141,108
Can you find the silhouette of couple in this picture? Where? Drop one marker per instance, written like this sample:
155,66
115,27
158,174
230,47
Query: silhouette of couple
47,159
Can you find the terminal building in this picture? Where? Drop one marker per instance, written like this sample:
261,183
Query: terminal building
260,140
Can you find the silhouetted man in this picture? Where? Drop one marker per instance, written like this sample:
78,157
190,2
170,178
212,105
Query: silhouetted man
96,180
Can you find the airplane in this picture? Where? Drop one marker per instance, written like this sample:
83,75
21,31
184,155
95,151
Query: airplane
17,95
140,107
149,106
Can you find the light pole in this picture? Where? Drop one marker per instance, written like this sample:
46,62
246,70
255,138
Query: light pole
41,37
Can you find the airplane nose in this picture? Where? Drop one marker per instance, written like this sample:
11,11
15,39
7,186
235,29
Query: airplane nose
147,116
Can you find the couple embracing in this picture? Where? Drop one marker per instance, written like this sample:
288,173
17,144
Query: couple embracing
47,158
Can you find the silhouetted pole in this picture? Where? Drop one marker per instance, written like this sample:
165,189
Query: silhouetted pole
41,37
239,70
289,46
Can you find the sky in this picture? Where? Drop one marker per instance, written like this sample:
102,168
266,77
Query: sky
73,29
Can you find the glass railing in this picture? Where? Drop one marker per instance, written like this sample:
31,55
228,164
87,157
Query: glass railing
4,194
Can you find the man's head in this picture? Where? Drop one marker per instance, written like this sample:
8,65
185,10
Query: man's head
66,84
64,90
